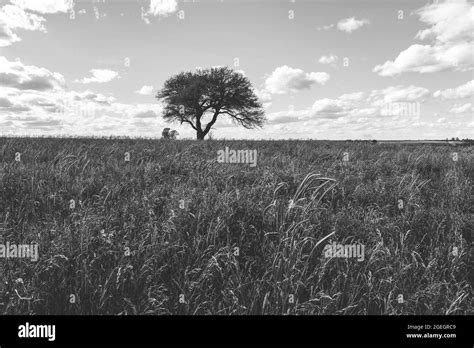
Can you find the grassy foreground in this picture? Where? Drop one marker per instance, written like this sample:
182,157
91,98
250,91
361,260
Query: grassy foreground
171,231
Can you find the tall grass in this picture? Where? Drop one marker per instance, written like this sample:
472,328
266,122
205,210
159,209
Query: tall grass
248,240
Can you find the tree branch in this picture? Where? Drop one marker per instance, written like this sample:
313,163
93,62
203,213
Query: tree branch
211,123
188,121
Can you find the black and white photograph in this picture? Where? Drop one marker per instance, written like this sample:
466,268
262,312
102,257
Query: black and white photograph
248,160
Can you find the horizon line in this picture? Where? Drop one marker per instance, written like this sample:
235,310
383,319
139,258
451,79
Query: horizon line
110,137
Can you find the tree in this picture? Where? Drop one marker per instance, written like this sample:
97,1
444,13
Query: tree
166,133
169,134
174,134
189,97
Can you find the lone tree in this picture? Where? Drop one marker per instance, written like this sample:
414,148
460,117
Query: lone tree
191,96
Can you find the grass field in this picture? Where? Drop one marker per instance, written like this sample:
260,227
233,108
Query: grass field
171,231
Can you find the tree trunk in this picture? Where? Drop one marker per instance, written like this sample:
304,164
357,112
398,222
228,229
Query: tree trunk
200,135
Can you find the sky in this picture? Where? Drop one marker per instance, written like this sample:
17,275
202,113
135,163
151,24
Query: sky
323,69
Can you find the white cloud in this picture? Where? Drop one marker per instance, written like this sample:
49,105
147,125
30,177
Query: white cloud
429,59
263,95
36,99
13,18
351,24
451,30
5,102
329,108
394,94
145,90
45,6
76,112
363,111
398,102
146,114
91,96
18,15
462,108
162,8
325,27
328,59
9,105
136,110
464,91
449,20
347,25
285,80
100,76
361,108
28,77
289,116
62,103
356,96
346,105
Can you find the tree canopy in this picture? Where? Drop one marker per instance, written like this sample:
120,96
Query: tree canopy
189,97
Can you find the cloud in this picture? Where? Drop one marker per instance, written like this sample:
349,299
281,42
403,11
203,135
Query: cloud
346,105
281,117
464,91
13,18
17,15
285,80
398,101
132,110
328,59
263,95
5,102
146,114
43,124
100,76
428,59
325,27
451,30
360,108
162,8
329,108
449,21
347,25
351,24
92,97
394,94
145,90
6,105
36,99
356,96
45,6
79,113
462,108
77,106
28,77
